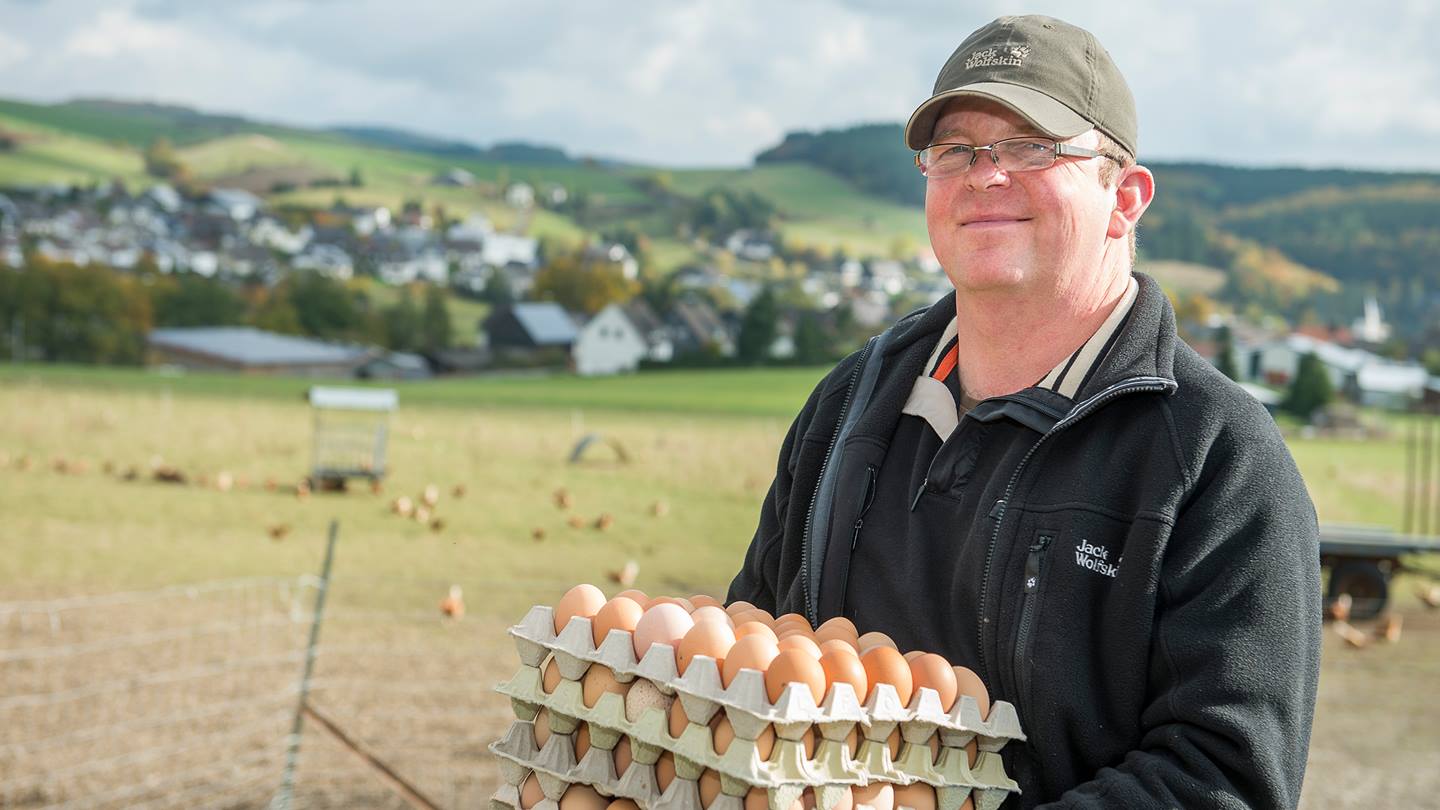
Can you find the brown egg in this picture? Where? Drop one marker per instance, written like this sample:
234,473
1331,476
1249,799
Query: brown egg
852,740
875,796
968,683
700,600
644,695
664,623
623,756
531,793
551,678
792,629
665,770
915,796
794,666
711,613
790,619
887,665
842,665
934,743
846,801
737,606
893,743
807,742
636,595
912,655
933,672
582,797
709,787
582,741
800,641
757,798
751,652
622,804
598,680
706,638
620,613
837,643
752,615
724,734
755,628
874,639
671,600
542,728
837,628
678,719
581,600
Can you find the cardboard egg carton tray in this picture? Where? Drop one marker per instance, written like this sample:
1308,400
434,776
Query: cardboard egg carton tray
745,701
556,768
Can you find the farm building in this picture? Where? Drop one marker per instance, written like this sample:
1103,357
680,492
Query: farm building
253,351
532,332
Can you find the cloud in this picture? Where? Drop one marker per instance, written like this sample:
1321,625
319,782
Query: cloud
708,82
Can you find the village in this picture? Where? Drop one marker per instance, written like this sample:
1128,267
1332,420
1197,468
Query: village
233,236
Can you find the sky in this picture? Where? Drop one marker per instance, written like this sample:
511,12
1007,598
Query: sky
713,82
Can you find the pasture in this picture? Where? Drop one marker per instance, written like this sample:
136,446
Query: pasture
414,689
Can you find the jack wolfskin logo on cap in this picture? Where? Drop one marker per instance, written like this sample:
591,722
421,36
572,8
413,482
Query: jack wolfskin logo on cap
1012,55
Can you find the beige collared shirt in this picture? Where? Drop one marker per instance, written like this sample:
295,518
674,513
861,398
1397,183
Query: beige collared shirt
931,397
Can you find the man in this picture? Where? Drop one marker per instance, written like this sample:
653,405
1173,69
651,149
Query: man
1036,479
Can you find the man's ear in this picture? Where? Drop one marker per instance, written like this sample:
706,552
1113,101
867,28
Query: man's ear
1133,193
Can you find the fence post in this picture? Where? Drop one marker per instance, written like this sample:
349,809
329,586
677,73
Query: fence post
282,799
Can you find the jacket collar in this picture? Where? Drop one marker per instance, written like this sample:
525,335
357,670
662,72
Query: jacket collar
1143,348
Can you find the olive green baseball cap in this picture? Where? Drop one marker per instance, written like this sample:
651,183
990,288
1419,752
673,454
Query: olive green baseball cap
1053,74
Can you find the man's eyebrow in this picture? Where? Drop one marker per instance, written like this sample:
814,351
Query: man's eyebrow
949,134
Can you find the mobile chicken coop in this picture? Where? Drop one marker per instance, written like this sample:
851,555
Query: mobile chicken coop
352,426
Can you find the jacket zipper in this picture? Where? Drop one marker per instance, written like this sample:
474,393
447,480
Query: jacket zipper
830,450
870,476
1034,564
997,512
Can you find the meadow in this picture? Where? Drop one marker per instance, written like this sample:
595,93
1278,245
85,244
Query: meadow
701,449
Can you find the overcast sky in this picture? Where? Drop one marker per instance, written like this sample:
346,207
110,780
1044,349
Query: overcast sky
712,82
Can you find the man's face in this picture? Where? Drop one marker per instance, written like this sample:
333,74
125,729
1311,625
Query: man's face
1029,233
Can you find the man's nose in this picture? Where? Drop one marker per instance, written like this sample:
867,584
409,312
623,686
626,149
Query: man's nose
985,173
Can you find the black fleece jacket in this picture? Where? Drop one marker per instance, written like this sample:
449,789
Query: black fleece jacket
1137,569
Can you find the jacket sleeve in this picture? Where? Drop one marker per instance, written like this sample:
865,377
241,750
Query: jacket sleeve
1235,658
757,582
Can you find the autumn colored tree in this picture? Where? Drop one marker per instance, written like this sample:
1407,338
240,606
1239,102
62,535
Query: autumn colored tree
582,286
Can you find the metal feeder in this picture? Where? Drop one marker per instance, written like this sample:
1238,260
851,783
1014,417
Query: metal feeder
351,428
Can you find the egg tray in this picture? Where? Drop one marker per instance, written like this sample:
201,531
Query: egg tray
557,768
745,700
741,764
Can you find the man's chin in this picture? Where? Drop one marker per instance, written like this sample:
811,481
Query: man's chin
986,278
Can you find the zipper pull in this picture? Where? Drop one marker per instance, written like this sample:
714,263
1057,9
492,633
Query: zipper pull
921,491
1032,563
998,510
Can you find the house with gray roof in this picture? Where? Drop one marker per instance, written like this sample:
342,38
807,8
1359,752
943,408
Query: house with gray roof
531,333
253,351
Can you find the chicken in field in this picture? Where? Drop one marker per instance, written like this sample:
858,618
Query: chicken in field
537,534
422,514
437,525
430,496
1431,596
563,498
576,522
625,577
278,531
271,484
403,506
457,491
1353,637
453,606
224,481
302,490
660,509
1389,629
1340,608
376,486
605,521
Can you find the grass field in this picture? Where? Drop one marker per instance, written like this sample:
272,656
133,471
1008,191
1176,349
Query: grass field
704,444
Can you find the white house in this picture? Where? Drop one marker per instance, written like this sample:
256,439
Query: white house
608,344
236,203
1390,385
369,221
328,260
428,265
500,249
520,195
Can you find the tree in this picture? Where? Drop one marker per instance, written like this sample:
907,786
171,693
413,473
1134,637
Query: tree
162,161
812,345
191,300
582,286
67,313
1310,390
497,289
1225,353
403,326
757,328
357,180
326,308
437,332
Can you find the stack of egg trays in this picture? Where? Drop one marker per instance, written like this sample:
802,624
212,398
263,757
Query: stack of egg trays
785,775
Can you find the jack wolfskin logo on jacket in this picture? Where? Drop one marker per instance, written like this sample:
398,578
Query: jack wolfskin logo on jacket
1096,559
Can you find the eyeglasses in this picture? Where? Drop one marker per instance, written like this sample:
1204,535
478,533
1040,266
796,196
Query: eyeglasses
1025,154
